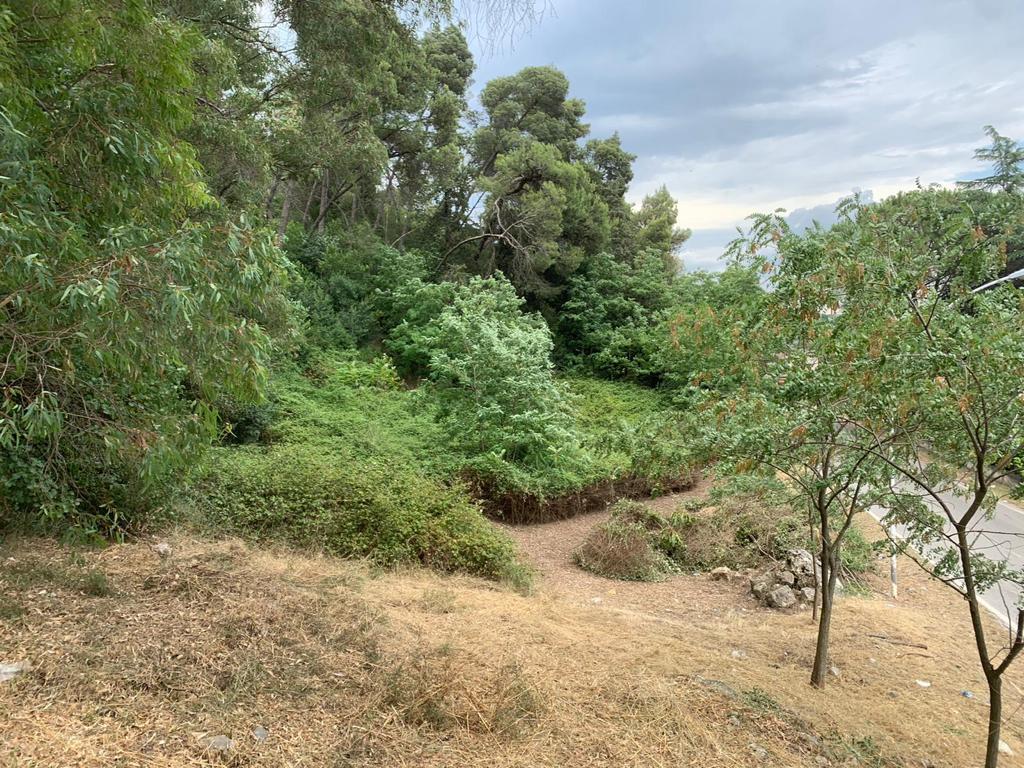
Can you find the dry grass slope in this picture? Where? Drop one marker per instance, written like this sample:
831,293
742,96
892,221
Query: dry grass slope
345,667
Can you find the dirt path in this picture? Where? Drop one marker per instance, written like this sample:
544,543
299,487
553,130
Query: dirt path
549,548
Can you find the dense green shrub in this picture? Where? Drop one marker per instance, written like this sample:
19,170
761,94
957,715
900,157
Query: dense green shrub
499,402
350,506
608,323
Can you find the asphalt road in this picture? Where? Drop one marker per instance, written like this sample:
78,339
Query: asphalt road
1000,537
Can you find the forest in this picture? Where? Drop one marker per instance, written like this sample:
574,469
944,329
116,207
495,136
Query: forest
322,289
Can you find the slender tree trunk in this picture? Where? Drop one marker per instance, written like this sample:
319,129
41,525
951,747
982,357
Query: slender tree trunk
995,719
286,208
268,208
819,671
322,217
309,204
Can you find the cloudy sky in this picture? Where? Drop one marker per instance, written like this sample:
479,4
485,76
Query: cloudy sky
740,106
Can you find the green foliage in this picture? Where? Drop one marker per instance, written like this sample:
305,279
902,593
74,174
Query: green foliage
1006,158
609,319
500,405
130,302
351,506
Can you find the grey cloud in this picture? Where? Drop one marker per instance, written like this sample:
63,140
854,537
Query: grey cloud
739,106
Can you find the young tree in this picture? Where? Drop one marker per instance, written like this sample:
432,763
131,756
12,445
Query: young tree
809,379
922,374
951,368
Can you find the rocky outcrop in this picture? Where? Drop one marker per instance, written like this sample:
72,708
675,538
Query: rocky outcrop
788,584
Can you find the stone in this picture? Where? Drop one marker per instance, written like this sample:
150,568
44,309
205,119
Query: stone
260,733
218,743
1004,749
781,597
738,654
163,549
834,671
759,587
735,721
800,562
923,684
967,694
721,574
11,671
788,578
807,594
759,752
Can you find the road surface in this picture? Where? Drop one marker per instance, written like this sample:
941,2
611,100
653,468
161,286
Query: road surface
1001,538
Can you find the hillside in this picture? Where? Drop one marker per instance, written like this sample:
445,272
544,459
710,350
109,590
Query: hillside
142,660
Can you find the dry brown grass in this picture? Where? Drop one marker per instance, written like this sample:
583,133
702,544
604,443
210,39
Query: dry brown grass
345,667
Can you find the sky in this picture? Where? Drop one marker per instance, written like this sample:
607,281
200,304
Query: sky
739,106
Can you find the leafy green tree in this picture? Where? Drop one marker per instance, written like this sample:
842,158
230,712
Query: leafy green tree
910,378
945,363
656,226
129,301
500,404
809,378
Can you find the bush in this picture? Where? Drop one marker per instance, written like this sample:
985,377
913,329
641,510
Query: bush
351,507
499,403
621,549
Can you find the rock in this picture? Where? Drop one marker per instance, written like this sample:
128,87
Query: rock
260,733
759,752
737,654
735,721
11,671
807,594
163,549
717,685
781,597
800,562
967,694
759,587
219,743
596,600
1004,749
834,671
923,683
721,574
788,578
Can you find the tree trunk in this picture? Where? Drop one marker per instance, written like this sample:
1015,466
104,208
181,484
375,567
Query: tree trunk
827,588
309,204
322,218
268,208
995,719
286,207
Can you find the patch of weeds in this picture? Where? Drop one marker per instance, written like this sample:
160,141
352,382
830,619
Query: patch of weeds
10,609
95,583
623,549
763,702
517,705
859,751
519,578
